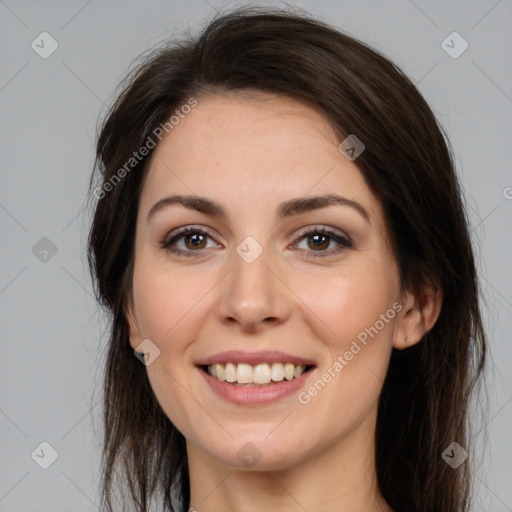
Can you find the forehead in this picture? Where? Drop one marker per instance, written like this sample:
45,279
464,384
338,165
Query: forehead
250,151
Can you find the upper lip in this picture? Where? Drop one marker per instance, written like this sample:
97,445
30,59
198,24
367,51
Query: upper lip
254,358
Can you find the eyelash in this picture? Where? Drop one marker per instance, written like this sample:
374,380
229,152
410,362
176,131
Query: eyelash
344,242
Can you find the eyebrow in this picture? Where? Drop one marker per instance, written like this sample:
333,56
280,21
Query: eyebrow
285,209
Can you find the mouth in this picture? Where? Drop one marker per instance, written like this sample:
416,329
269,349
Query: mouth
259,375
255,378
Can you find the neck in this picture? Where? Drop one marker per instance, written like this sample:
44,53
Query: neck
339,478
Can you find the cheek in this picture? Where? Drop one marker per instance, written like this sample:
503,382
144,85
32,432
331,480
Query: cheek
355,358
165,303
350,303
357,330
163,299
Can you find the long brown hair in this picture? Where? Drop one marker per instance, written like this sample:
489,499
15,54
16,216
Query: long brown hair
425,401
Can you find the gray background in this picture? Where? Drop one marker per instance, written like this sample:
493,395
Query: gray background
52,332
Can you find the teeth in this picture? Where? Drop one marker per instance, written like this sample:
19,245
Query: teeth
262,374
217,370
277,372
230,372
288,371
244,374
259,374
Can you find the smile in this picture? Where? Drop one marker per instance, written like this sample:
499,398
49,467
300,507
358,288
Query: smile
255,378
248,375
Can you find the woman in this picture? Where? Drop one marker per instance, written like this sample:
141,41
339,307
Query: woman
280,239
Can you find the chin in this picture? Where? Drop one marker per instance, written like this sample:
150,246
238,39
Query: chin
253,449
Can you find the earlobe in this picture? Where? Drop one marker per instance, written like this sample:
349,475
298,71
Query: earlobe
420,313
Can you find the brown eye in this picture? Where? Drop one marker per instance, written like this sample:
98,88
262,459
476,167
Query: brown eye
196,241
319,239
319,242
186,242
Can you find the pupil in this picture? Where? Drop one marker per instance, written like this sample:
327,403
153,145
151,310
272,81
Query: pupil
317,238
198,239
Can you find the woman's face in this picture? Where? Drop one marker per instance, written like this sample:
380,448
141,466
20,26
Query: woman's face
262,287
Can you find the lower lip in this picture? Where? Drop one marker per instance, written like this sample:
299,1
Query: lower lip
244,395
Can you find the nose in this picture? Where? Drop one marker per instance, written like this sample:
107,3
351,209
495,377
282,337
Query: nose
253,295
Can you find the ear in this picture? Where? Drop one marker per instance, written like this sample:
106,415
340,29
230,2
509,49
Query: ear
133,326
420,312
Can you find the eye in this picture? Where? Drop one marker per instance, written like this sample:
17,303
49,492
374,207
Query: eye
194,241
319,239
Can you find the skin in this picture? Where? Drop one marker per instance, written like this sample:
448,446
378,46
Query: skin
249,155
